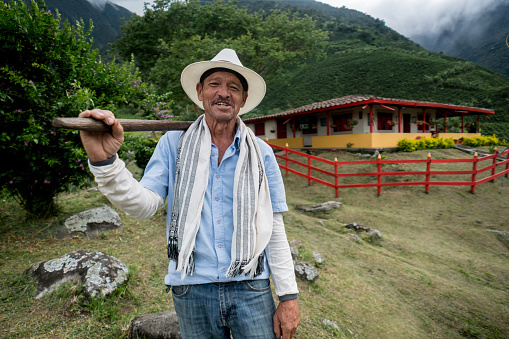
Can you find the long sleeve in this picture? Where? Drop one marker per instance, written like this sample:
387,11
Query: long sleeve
280,259
124,191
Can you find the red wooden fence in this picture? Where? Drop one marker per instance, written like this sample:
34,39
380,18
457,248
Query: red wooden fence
498,168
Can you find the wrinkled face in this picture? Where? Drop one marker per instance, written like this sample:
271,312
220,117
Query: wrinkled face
222,96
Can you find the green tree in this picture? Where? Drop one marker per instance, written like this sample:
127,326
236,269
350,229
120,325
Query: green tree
48,70
172,34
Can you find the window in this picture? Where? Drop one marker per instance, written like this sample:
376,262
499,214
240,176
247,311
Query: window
383,119
309,125
259,128
340,122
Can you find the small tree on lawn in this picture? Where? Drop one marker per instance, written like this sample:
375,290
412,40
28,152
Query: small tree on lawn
48,70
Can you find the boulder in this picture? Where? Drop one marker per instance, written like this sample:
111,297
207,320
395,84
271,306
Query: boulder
355,237
92,222
318,257
100,274
306,271
376,234
357,227
323,207
162,325
295,253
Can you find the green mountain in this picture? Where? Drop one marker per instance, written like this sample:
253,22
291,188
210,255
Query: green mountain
107,18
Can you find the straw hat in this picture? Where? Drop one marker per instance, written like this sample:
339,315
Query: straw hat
227,58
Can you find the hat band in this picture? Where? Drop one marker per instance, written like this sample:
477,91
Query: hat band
243,80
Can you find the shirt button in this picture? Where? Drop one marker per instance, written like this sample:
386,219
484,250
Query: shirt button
223,269
219,221
220,245
217,198
213,153
217,176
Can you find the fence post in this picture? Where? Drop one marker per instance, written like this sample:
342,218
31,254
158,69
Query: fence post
507,165
474,169
428,170
309,171
494,164
286,159
379,175
336,176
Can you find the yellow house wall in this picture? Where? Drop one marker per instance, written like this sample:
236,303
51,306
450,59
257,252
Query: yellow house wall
366,140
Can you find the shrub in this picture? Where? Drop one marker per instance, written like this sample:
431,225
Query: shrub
48,70
482,141
407,145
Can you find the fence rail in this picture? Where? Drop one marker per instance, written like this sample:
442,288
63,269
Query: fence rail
339,171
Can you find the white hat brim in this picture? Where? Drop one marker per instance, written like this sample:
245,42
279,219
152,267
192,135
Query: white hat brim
190,77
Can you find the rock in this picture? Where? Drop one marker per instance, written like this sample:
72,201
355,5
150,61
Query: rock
318,257
355,237
326,206
357,227
306,271
502,236
92,222
295,252
375,234
330,323
99,273
296,243
163,325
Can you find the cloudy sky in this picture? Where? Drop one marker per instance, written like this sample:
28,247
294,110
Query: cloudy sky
408,17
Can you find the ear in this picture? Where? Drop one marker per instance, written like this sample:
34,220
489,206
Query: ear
199,91
244,99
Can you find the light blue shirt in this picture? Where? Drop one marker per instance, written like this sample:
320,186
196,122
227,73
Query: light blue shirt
214,238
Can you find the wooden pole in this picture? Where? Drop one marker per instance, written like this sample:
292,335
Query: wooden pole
474,170
428,170
336,176
129,125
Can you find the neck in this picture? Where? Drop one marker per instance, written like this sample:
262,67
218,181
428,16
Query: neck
222,134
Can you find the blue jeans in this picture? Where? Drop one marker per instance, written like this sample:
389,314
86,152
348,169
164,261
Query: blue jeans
243,309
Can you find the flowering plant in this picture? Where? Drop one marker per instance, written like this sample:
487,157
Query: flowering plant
392,123
421,122
350,123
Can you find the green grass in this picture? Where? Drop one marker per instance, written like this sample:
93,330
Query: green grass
437,272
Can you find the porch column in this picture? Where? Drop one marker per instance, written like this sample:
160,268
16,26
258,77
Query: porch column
462,124
424,120
328,126
293,127
445,122
371,118
478,123
400,122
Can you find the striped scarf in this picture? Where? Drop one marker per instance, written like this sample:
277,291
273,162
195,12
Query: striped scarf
252,209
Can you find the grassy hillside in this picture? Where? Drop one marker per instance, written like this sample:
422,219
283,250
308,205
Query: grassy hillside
438,271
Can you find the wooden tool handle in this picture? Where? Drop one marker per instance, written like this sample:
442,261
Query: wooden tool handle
129,125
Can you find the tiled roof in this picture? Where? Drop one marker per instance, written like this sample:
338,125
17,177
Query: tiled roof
358,99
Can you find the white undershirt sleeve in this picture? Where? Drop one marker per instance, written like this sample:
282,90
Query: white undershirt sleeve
124,191
280,259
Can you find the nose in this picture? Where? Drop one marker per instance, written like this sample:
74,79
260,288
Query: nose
223,91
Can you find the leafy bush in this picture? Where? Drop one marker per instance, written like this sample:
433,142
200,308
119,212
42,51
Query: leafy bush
140,146
482,141
48,70
407,145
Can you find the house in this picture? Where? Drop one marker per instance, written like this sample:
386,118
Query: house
364,121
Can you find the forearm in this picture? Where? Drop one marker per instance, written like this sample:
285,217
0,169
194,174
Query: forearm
280,260
124,191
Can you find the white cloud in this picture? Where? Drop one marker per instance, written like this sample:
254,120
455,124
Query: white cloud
417,17
408,17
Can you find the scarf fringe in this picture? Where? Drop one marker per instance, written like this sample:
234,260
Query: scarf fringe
238,268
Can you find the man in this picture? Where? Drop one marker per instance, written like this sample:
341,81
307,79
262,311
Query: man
225,232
